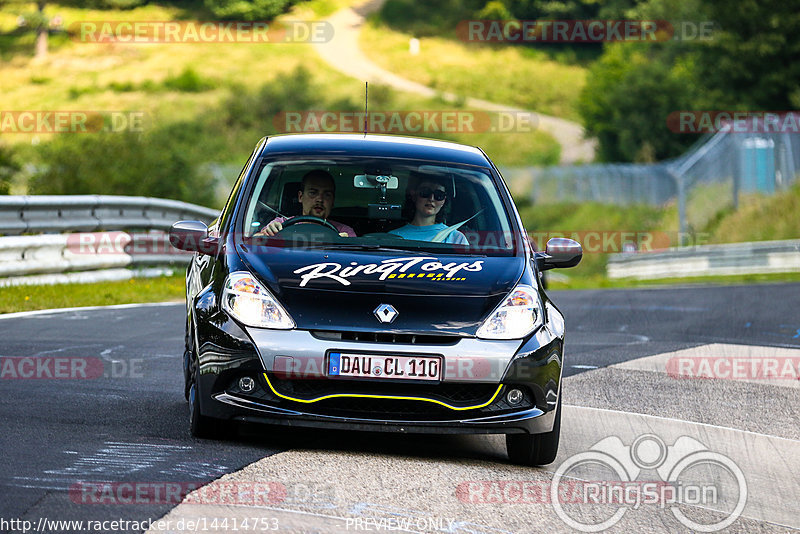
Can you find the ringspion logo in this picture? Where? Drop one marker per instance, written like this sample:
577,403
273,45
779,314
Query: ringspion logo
689,476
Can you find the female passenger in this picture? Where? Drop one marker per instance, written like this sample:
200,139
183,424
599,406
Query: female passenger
427,202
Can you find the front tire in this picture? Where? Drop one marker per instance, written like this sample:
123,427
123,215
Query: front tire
187,373
535,449
202,426
188,359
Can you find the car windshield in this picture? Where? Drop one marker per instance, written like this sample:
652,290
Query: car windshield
377,203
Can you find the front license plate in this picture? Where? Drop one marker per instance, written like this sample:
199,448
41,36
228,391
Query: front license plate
384,366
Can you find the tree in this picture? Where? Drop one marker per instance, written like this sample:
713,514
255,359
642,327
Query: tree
35,21
753,60
38,21
248,10
629,94
634,87
8,167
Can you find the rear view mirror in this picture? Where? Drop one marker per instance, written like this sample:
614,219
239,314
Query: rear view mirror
369,181
561,252
192,236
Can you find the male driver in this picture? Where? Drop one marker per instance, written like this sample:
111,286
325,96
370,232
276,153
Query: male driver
316,196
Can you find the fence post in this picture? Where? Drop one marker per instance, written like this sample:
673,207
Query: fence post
737,173
682,223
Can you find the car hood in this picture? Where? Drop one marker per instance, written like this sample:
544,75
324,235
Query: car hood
340,290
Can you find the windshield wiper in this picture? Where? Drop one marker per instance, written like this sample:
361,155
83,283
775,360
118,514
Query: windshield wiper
367,246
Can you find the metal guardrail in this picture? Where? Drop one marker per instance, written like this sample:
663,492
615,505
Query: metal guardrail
96,248
58,253
89,213
708,260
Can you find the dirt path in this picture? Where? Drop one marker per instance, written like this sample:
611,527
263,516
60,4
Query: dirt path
343,53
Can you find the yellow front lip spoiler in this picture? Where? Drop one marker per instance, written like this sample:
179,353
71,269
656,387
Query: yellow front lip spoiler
393,397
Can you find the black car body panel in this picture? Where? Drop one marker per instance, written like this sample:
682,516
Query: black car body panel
421,306
439,311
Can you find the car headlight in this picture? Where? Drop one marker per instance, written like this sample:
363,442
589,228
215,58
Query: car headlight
245,299
516,317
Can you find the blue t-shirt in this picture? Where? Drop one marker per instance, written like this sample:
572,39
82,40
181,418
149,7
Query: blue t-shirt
427,233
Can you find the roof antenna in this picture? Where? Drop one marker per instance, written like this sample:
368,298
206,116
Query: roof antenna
366,102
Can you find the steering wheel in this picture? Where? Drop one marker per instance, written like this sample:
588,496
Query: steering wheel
309,219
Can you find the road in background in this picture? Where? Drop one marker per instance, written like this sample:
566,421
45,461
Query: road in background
133,427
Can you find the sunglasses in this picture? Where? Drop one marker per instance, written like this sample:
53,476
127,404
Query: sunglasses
427,192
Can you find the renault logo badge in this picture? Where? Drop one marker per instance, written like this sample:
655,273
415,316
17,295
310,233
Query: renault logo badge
385,313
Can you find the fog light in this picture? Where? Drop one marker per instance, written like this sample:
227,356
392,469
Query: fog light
514,397
247,384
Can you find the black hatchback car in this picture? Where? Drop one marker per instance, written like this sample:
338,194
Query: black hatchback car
373,282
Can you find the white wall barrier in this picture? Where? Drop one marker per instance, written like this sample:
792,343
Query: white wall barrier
708,260
108,236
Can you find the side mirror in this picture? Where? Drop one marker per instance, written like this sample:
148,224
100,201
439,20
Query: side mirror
561,252
191,236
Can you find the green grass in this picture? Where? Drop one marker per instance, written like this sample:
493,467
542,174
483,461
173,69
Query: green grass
513,75
27,298
759,218
181,82
543,220
317,9
84,76
597,282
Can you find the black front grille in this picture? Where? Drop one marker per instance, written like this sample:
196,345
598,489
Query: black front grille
382,409
456,394
459,395
387,337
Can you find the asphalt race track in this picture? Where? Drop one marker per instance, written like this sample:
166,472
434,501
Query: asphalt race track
108,439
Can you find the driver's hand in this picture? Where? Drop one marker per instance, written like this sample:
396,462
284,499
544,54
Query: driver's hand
343,234
271,229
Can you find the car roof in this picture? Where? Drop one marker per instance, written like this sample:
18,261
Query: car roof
372,145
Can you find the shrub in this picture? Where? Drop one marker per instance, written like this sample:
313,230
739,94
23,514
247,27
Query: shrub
188,81
295,91
248,10
125,163
428,19
8,167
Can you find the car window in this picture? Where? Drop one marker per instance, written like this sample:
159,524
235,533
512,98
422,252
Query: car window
397,203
